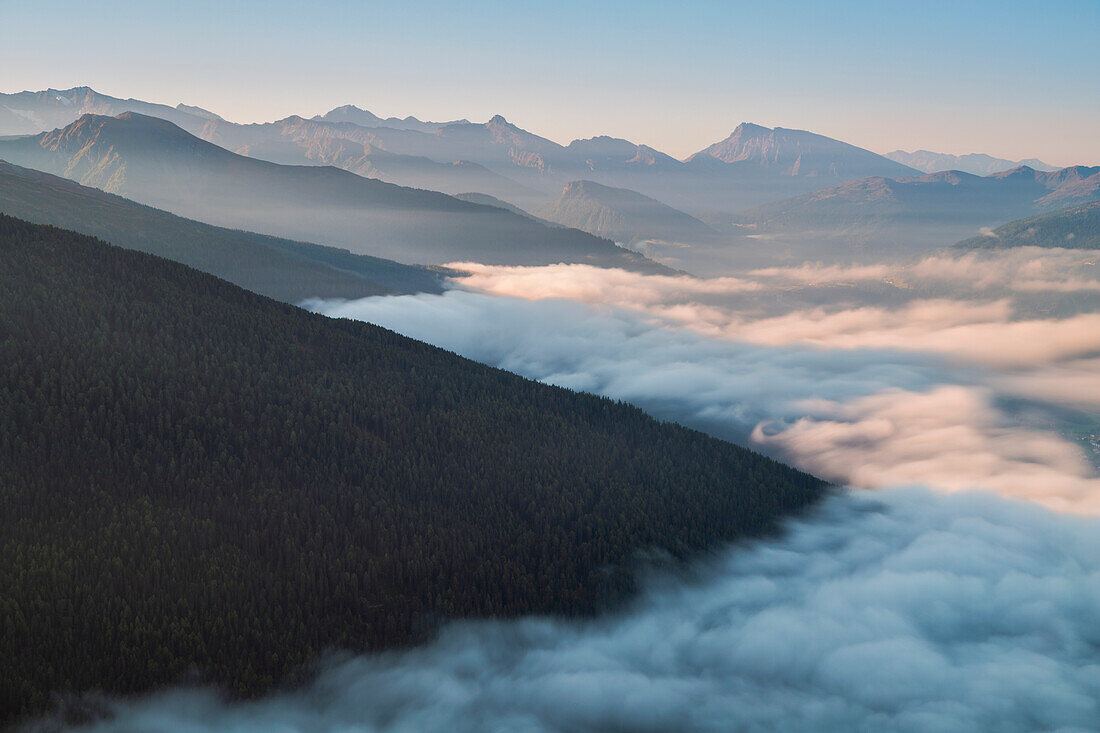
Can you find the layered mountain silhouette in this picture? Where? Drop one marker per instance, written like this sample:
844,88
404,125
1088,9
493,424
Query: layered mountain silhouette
621,214
1077,227
932,210
979,164
754,165
359,149
157,163
279,268
33,112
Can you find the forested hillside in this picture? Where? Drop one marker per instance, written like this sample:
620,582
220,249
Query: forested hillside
1077,227
195,477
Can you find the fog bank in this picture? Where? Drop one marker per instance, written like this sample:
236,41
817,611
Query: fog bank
901,611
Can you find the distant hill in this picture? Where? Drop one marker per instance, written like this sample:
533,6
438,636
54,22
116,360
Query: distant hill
157,163
621,214
1077,227
910,214
281,269
198,481
979,164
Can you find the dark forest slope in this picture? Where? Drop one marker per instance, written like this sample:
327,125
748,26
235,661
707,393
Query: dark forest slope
195,477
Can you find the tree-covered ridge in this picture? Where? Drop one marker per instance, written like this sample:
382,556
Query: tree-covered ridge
1077,227
195,477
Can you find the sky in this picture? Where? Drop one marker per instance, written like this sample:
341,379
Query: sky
1010,78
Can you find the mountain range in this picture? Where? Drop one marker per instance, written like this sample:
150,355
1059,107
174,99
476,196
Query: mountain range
752,166
979,164
155,162
505,184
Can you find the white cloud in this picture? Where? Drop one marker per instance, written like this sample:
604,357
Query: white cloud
865,417
910,612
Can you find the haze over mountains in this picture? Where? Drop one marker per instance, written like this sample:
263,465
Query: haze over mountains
780,184
1077,227
155,162
902,216
753,165
621,214
279,268
979,164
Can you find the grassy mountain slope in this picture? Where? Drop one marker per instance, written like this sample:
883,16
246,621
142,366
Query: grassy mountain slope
199,478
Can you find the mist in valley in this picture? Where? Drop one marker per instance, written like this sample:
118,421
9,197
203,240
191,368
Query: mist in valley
951,396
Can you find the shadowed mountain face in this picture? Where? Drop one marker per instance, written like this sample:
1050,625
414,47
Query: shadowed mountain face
157,163
1077,227
268,484
621,214
977,163
910,214
279,268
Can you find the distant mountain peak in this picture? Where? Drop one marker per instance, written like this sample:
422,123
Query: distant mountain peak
801,153
197,111
979,164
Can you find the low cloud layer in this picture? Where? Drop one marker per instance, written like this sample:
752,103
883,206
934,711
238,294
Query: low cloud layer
865,417
974,308
941,608
903,612
949,437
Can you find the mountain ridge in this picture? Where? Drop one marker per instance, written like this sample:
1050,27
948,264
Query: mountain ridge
794,162
157,163
285,270
979,164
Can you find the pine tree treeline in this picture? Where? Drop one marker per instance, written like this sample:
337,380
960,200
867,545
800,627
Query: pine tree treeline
195,477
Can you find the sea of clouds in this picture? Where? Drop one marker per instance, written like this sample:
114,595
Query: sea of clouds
962,594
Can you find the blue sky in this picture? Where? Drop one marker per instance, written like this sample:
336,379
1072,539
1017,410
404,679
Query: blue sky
1010,78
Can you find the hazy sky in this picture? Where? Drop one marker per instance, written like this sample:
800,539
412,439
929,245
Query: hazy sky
1007,77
